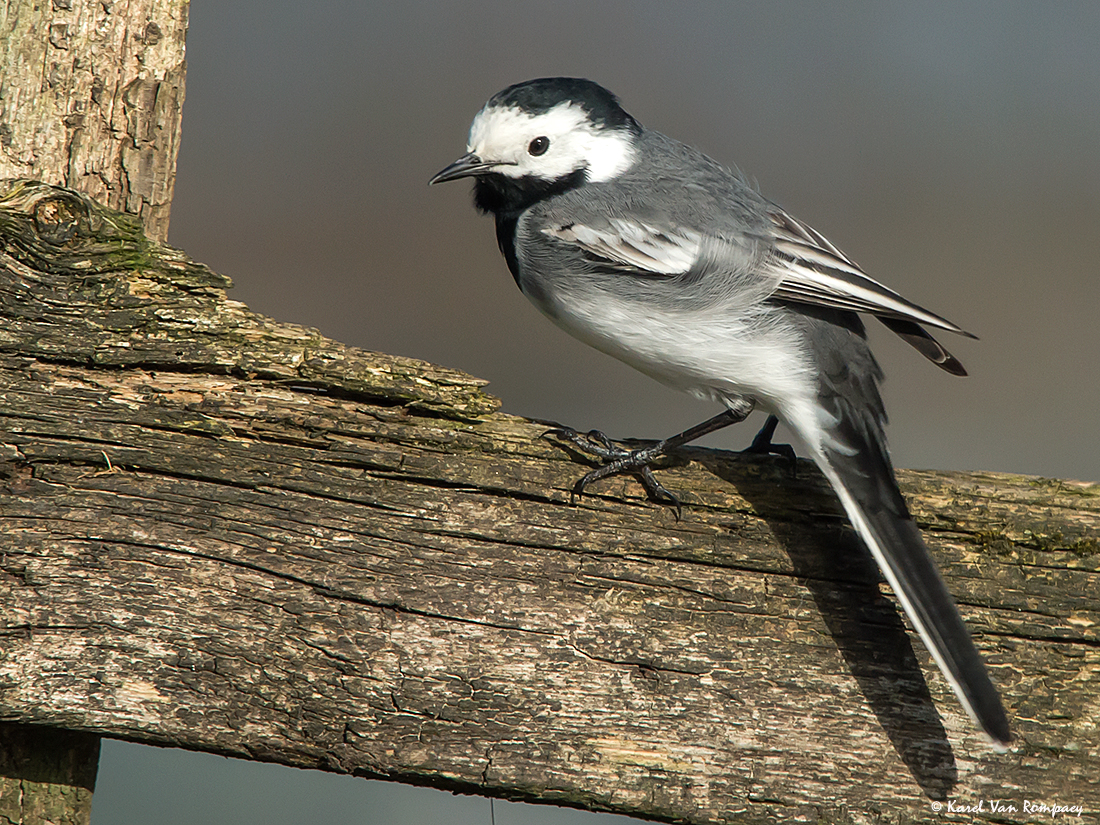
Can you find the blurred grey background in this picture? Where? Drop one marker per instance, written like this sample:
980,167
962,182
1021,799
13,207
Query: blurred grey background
953,150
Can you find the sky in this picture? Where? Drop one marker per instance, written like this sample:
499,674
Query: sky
952,150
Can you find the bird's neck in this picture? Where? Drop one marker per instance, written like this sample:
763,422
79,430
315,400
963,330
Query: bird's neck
507,197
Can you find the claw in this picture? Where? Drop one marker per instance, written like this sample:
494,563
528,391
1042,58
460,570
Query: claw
657,490
567,433
617,460
621,460
593,442
762,445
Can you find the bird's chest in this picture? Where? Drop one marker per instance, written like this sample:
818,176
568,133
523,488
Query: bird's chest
710,348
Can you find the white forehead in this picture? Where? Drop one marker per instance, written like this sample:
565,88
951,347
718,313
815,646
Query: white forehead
504,133
497,127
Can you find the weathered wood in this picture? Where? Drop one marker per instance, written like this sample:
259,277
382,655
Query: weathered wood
46,775
91,96
237,536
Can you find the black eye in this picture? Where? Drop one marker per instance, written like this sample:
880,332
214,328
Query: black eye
538,146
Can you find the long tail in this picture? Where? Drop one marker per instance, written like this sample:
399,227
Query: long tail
851,451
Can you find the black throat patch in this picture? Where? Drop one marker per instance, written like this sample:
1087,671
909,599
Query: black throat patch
502,195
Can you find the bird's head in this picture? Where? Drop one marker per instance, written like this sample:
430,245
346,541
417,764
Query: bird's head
541,137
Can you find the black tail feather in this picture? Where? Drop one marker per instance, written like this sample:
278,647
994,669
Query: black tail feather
859,468
918,337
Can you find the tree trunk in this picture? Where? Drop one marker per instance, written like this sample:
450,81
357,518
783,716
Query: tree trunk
91,97
233,535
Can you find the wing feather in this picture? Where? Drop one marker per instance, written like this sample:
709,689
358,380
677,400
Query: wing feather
805,265
632,245
812,270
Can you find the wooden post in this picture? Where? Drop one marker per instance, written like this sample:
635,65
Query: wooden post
91,97
46,775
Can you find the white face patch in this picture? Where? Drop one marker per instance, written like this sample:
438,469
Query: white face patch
505,135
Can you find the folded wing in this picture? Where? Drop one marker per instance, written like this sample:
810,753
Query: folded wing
807,267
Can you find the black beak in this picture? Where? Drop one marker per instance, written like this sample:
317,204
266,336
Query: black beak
466,166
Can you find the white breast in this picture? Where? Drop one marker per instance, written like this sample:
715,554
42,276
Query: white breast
713,353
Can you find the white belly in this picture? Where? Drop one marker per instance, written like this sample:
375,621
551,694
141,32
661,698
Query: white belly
713,353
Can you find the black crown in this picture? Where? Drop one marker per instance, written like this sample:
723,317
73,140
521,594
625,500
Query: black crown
543,94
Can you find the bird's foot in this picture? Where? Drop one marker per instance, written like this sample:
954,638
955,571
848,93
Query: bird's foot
762,445
617,460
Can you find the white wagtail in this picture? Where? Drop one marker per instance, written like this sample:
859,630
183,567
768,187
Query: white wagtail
652,252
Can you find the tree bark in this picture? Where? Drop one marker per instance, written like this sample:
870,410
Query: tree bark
91,97
232,535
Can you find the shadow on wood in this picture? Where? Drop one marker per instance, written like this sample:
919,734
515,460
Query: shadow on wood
869,630
233,535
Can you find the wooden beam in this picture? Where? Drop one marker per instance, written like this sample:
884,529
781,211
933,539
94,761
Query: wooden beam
233,535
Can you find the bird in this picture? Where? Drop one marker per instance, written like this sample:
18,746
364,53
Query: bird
650,251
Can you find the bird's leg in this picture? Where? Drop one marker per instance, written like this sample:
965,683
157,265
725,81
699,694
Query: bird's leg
621,460
762,444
